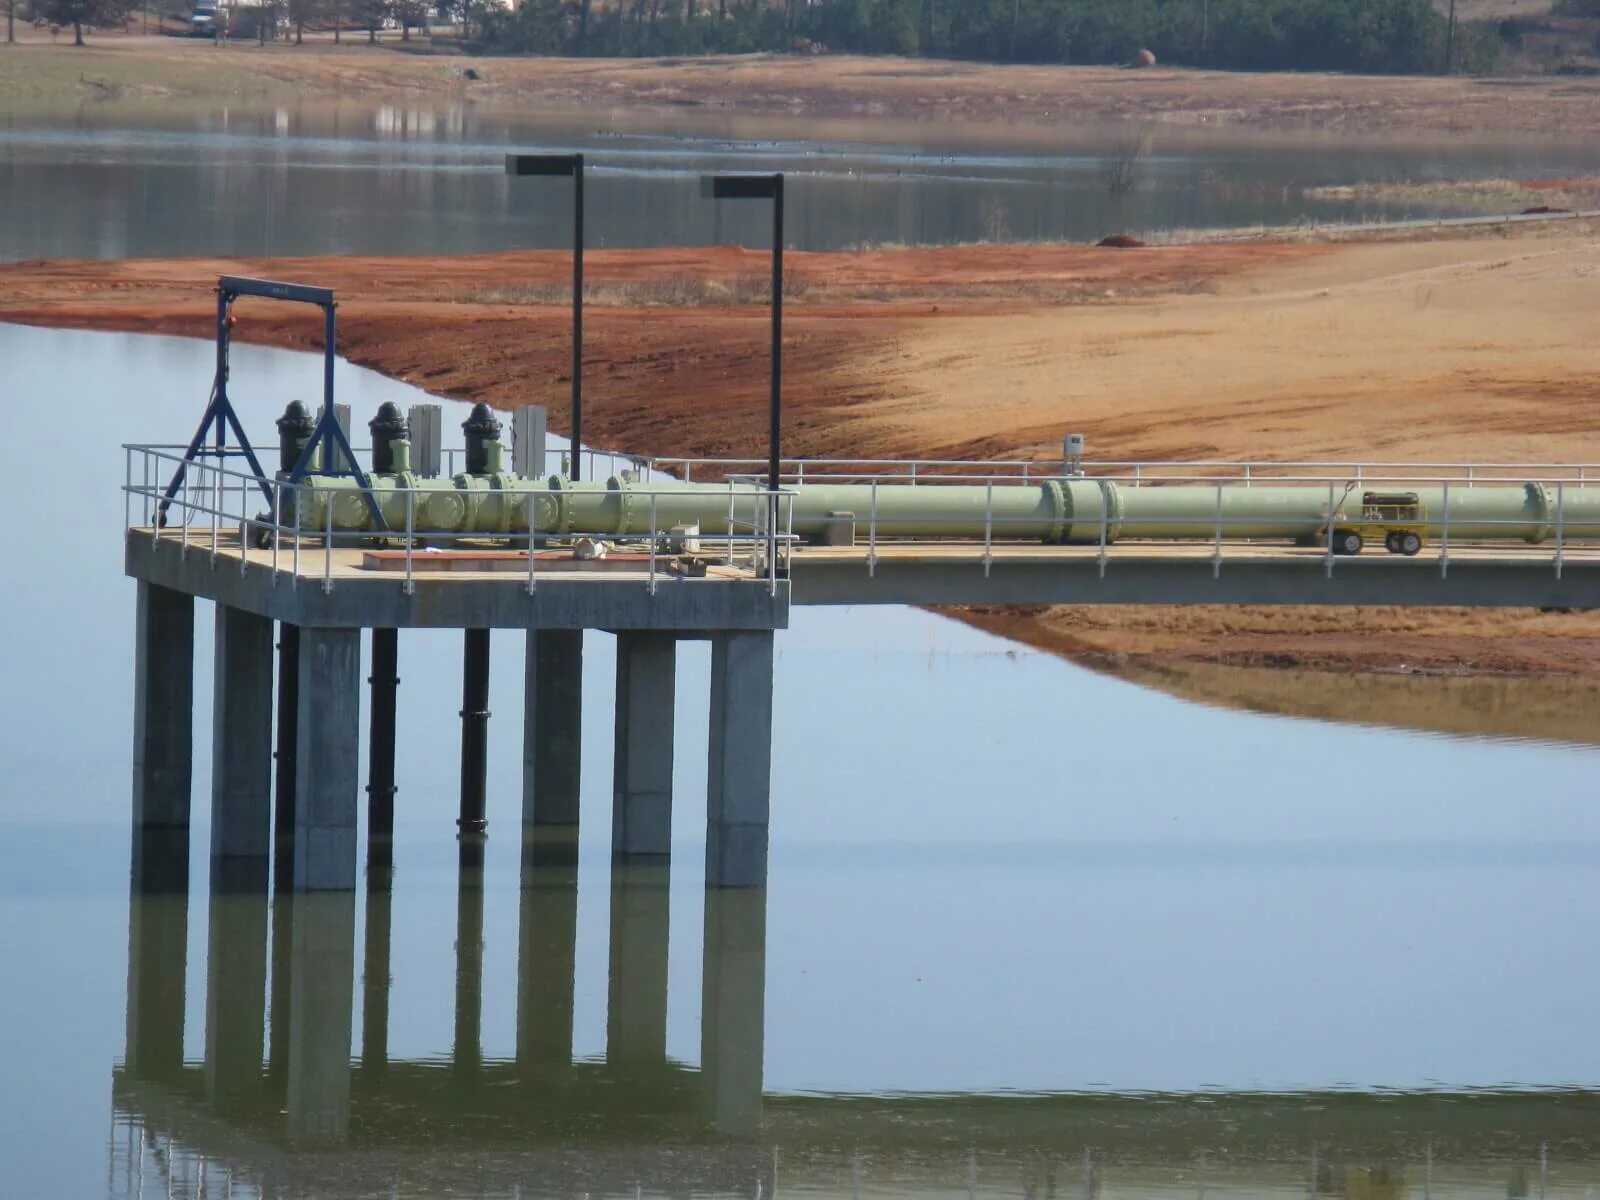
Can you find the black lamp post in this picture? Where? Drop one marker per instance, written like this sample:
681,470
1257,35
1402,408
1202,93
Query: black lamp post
570,166
764,187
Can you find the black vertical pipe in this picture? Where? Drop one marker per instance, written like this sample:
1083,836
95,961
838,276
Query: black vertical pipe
375,977
288,744
385,683
474,731
577,317
468,1047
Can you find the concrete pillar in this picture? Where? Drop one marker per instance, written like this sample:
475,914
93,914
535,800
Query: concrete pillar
641,803
326,768
163,708
322,989
636,1005
474,731
158,943
546,959
468,1045
241,736
384,683
552,743
375,972
236,985
732,1007
740,780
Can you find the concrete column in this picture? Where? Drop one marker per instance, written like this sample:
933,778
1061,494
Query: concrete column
546,959
732,1007
326,768
321,991
241,736
468,1045
641,803
740,780
236,987
375,973
552,743
158,942
636,1006
163,708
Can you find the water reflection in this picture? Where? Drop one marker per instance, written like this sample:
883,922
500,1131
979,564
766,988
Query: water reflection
308,1119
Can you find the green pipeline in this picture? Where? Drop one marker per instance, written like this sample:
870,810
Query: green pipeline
1075,511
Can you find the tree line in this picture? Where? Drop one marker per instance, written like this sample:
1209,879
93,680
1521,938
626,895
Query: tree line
1383,36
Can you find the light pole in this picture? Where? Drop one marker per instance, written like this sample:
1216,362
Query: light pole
566,165
764,187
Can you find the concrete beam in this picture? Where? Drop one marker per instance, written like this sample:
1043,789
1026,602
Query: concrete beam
322,989
327,774
241,736
733,985
740,778
641,802
163,708
636,1006
552,742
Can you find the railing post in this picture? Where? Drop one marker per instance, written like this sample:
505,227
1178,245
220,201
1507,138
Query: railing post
1105,526
872,534
655,538
217,485
1444,542
277,530
1216,553
1327,540
988,527
327,550
299,510
1561,526
410,584
528,503
1247,474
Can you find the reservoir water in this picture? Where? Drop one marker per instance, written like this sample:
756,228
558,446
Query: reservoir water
103,181
1030,930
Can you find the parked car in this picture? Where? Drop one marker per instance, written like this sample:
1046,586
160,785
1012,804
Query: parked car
203,21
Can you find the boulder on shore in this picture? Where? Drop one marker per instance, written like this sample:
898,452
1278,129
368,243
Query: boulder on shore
1143,59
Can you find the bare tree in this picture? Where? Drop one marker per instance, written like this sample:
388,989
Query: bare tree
79,13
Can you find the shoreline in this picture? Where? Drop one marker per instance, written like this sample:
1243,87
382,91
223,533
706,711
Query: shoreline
128,69
950,366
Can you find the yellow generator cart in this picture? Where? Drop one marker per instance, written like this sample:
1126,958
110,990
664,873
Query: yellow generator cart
1397,517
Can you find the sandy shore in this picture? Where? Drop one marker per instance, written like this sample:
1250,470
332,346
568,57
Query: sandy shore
117,68
1461,348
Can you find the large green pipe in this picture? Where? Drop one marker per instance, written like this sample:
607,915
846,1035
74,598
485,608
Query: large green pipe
1078,511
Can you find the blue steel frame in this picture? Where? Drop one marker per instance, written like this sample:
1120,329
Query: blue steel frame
220,417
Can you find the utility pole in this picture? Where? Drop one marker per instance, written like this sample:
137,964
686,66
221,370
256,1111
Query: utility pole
11,20
1450,42
1205,24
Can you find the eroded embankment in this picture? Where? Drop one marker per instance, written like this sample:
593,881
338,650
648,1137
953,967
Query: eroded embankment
1465,348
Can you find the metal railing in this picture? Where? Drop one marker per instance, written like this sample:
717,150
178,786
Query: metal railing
222,512
1128,471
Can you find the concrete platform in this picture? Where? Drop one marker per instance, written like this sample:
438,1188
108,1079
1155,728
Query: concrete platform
340,591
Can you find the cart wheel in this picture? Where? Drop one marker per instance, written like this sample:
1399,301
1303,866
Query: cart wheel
1347,541
1410,543
1391,543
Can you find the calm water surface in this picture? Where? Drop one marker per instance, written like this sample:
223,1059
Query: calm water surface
1029,930
104,181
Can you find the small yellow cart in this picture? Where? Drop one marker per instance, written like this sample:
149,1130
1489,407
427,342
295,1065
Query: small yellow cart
1399,518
